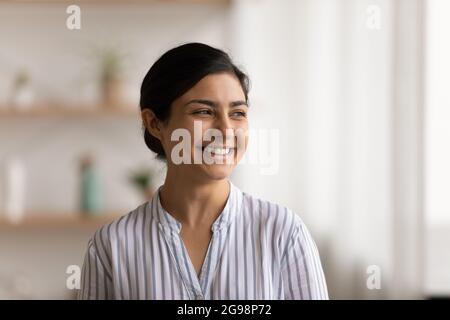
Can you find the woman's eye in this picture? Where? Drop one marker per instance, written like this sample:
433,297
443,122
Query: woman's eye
202,112
240,114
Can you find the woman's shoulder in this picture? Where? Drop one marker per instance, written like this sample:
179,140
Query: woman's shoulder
121,226
273,214
281,224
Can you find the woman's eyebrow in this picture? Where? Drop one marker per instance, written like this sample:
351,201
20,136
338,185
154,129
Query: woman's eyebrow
238,103
214,104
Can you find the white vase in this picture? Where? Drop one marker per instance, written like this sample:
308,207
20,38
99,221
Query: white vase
14,190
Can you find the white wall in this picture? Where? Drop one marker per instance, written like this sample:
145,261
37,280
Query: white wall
334,88
438,112
437,137
62,68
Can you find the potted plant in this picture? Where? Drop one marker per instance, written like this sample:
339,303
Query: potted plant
22,94
110,76
142,180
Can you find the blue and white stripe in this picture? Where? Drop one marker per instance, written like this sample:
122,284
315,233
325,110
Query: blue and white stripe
258,250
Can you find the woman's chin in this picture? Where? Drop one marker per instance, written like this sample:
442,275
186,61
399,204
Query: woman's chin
217,171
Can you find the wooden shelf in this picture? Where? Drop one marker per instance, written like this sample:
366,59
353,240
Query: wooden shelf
71,112
59,221
121,2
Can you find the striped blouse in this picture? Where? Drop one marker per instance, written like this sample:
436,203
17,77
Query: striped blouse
258,250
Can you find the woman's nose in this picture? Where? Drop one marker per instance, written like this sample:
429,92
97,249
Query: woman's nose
224,125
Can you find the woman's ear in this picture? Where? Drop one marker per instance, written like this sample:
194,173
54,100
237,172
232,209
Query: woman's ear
151,123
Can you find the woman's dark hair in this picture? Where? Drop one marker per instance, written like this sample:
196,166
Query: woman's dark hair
177,71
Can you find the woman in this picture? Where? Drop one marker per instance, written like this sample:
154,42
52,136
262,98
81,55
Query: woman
200,237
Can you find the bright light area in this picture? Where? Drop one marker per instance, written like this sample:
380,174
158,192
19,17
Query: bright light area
437,152
437,123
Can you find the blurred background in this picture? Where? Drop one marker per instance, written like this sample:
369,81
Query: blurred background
357,91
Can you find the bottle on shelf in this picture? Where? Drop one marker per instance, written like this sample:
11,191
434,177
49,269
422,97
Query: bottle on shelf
90,187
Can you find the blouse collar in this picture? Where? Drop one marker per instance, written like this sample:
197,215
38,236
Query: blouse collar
231,209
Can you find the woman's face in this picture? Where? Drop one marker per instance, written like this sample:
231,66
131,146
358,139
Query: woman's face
214,113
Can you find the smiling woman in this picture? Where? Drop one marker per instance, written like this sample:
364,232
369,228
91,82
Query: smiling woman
200,237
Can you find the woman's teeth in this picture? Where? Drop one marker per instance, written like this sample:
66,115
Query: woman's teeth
218,151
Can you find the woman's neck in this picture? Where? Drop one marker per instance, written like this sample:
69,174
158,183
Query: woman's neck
194,203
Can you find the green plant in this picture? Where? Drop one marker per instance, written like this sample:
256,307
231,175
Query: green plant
21,79
110,68
111,64
142,179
